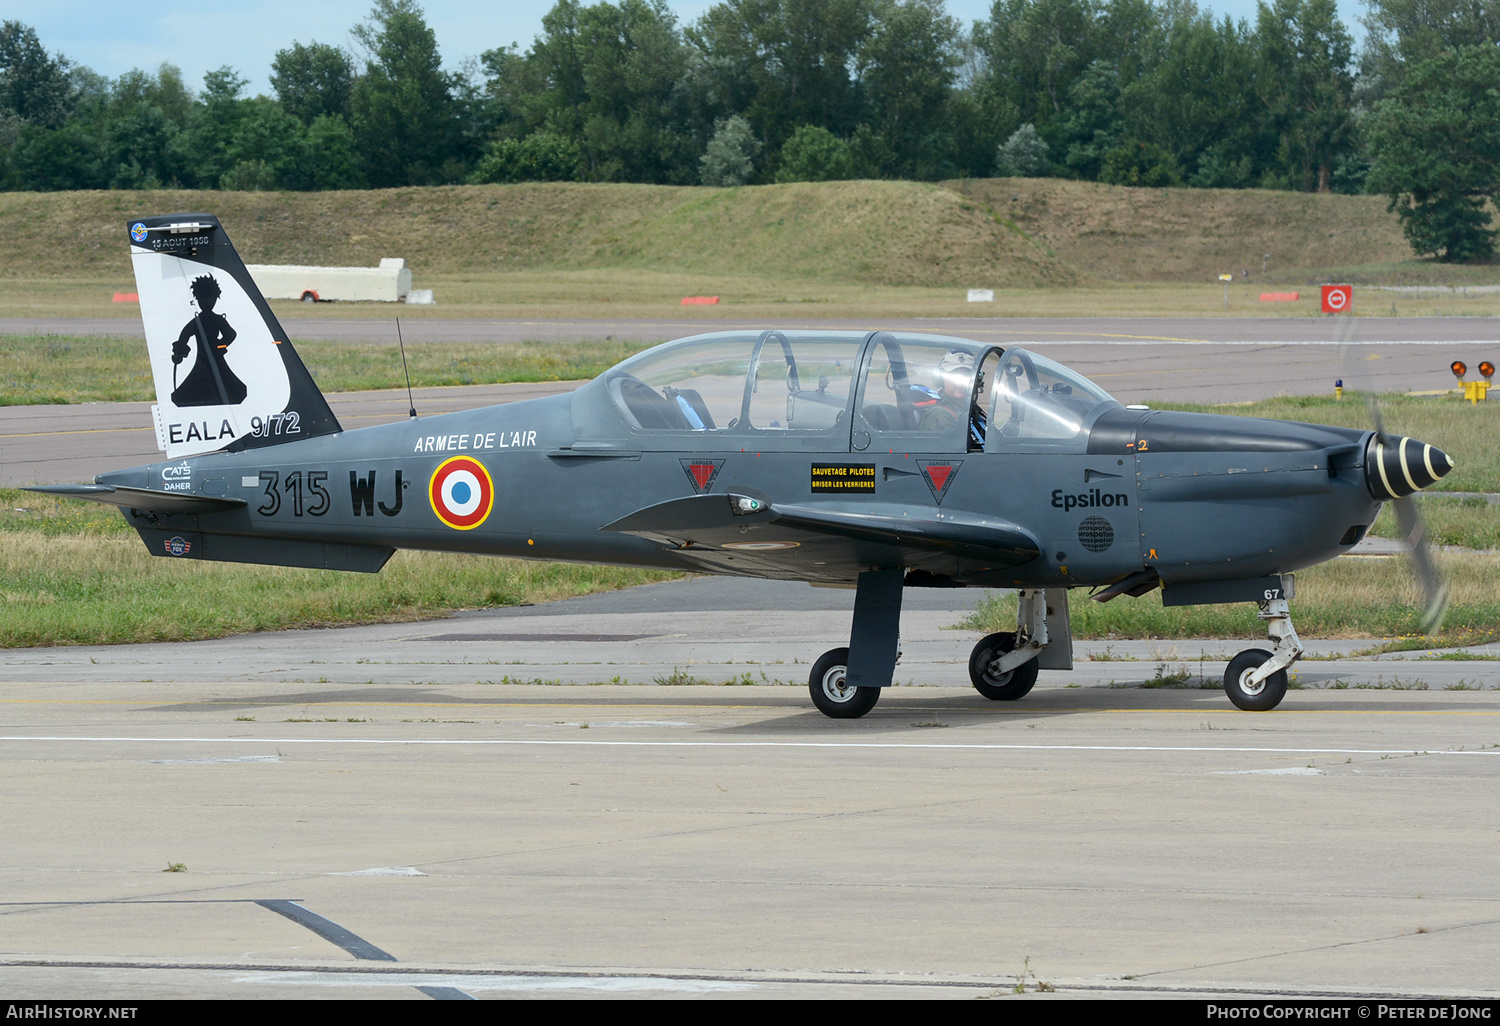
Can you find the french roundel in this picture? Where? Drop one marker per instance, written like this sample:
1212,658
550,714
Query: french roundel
461,493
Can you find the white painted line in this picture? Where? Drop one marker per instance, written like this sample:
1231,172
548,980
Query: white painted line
601,743
1285,771
230,758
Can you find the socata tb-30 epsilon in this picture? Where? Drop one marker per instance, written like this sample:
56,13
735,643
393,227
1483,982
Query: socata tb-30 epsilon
877,460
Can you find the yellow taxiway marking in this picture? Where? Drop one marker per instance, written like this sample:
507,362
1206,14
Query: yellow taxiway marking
78,431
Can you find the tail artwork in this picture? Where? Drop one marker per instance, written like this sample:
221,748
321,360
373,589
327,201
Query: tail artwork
226,375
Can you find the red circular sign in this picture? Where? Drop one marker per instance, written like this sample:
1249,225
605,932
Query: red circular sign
1337,298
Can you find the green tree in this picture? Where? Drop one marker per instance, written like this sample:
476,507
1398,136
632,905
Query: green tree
1403,32
1435,145
540,157
215,121
730,157
1197,93
402,109
1023,155
1139,163
313,81
33,86
906,67
330,158
146,132
781,64
1307,87
69,157
814,154
1036,50
266,150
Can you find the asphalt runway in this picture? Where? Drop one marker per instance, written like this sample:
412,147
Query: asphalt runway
631,795
1137,361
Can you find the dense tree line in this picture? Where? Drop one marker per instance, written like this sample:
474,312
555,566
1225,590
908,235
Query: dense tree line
1135,92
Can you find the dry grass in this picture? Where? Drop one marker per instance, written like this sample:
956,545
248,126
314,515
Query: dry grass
93,589
851,250
894,233
1155,235
1350,597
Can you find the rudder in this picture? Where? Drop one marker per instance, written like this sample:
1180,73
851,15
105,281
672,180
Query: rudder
226,374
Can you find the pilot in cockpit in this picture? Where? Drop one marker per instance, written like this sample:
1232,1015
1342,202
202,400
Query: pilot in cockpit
956,399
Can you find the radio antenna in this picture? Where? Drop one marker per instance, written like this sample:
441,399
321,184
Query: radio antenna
413,403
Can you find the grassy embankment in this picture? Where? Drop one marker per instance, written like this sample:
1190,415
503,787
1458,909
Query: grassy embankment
828,250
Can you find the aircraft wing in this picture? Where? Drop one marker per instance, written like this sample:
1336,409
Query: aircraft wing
729,533
142,498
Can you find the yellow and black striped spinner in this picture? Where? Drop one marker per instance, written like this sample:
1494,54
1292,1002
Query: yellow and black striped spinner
1398,467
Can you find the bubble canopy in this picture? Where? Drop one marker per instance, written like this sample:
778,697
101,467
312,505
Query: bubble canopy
810,389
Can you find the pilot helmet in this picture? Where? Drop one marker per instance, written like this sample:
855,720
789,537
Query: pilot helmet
956,368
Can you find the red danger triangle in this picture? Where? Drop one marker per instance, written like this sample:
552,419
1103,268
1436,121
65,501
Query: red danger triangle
939,477
702,473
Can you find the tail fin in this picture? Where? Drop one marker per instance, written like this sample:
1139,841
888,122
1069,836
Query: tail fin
226,375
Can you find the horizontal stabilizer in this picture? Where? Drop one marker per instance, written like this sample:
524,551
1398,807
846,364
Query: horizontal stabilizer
142,498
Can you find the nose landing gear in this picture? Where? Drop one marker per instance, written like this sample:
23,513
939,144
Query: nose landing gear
1255,680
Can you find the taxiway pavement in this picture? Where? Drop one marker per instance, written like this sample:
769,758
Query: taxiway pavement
618,795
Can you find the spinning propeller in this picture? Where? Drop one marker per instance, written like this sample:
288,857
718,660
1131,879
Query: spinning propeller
1396,468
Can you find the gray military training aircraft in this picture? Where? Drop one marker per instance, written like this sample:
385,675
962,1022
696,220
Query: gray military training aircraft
873,460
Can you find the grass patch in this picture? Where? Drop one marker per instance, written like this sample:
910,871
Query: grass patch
1471,523
37,369
80,577
1345,598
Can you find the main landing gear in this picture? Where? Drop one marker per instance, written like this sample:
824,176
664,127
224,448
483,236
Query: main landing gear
846,682
1255,680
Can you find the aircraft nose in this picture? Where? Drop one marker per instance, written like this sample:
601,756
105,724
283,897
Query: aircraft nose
1397,467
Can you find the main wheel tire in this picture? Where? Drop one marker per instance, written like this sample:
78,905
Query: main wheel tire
309,297
832,695
1258,698
1001,687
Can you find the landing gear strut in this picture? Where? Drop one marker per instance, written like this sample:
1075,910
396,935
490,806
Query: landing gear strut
1255,680
845,682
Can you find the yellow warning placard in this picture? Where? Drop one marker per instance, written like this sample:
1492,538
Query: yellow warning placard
843,477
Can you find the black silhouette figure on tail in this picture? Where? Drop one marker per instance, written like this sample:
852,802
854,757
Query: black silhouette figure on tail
210,382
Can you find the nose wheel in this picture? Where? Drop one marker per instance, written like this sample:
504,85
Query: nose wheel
832,693
1255,680
1248,693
